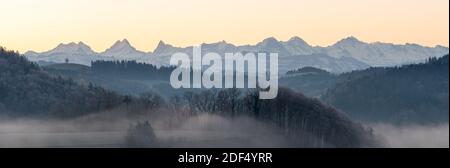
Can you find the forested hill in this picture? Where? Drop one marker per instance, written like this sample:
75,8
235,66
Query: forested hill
310,81
307,121
417,93
131,70
124,77
26,90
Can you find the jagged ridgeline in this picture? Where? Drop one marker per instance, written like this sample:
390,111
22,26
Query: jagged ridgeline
26,90
417,93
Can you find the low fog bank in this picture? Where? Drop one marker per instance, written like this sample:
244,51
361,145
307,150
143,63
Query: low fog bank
209,130
57,133
413,136
204,130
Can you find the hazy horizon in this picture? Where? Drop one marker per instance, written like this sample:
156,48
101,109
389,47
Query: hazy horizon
190,45
41,25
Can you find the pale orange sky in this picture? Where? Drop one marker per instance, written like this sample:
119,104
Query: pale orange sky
42,24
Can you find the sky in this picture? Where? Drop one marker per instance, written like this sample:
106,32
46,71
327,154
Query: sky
41,25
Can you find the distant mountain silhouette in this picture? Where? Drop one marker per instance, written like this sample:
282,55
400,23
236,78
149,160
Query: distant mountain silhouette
345,55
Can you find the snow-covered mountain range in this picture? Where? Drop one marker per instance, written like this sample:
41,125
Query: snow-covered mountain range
346,55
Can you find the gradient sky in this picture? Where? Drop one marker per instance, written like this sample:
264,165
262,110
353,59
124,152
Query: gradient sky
42,24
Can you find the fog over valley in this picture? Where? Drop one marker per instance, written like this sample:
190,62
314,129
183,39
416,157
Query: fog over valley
201,131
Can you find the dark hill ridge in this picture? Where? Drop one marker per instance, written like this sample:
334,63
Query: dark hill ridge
309,80
417,93
308,122
68,66
26,90
329,127
307,70
124,77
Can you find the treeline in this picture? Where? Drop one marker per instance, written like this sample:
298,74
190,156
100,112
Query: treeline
306,120
306,70
417,93
310,81
131,70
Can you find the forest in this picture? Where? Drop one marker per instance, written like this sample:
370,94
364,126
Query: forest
407,94
131,70
416,93
26,90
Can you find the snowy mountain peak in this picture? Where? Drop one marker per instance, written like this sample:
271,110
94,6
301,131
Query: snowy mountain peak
223,43
31,53
73,48
297,41
219,47
220,44
122,49
161,44
351,38
121,45
82,44
125,41
270,40
162,48
270,43
297,46
441,47
349,41
295,38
